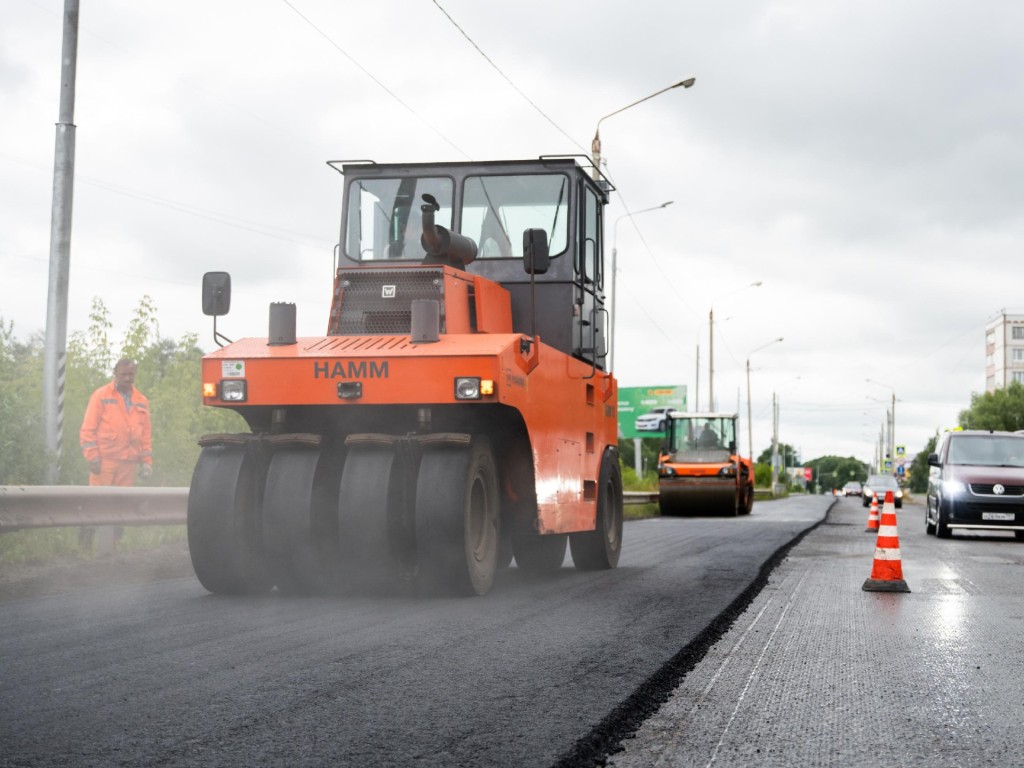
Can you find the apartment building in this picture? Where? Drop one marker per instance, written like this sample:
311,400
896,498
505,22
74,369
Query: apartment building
1004,351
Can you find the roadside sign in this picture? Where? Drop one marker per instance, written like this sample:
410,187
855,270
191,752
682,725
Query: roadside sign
808,473
637,401
901,470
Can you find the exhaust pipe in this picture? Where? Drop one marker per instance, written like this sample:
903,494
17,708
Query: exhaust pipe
442,245
282,324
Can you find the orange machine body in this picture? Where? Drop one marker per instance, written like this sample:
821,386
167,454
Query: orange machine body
564,407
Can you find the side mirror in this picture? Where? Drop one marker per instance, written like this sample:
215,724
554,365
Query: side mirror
536,258
933,460
216,293
732,446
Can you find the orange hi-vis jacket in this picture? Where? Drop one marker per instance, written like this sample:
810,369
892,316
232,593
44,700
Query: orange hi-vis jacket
113,432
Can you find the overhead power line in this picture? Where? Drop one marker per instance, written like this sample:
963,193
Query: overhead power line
373,77
506,77
260,228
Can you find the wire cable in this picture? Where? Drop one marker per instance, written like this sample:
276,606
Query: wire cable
373,77
506,77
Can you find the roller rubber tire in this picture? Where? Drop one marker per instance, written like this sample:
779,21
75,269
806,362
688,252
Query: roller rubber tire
747,504
375,535
224,521
599,549
457,518
299,523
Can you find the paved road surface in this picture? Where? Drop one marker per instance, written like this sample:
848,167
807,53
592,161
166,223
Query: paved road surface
536,672
818,672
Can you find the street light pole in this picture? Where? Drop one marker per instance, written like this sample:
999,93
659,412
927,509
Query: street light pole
750,417
892,418
615,296
711,343
595,145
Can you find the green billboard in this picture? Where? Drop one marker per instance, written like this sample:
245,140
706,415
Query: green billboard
641,409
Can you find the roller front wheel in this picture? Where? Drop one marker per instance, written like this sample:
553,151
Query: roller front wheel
458,517
224,520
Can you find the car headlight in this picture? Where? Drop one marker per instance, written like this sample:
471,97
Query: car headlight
953,488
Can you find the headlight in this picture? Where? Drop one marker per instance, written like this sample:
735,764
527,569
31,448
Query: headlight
666,471
472,387
233,391
729,471
953,488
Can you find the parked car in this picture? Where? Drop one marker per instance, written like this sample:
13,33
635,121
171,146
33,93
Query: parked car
880,484
653,421
976,480
852,488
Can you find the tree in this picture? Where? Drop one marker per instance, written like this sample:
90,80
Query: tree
1002,409
22,455
787,456
169,375
835,471
919,466
649,450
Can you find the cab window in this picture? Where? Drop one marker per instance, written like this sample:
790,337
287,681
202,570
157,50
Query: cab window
384,219
497,209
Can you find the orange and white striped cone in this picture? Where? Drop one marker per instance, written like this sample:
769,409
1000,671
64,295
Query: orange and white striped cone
887,571
873,514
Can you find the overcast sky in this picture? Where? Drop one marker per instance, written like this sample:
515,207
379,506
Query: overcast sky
862,159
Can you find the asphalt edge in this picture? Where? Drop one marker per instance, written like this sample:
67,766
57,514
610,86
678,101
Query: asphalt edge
605,739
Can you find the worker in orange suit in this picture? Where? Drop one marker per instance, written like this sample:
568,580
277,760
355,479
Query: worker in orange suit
116,437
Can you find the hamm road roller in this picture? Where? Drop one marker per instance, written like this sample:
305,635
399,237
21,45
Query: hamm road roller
700,471
456,413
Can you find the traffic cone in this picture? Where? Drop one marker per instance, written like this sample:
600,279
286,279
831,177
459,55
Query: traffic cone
887,571
873,514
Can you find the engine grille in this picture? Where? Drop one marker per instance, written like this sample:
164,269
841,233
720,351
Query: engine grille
379,302
986,489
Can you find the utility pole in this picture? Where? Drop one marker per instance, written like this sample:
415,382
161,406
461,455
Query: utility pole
696,385
55,348
711,360
775,442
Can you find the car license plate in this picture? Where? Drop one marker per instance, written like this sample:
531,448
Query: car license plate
1005,516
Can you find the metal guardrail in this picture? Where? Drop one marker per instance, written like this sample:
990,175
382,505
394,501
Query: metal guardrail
57,506
639,497
81,506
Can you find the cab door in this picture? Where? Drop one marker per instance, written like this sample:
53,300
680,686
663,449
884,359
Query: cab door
589,318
